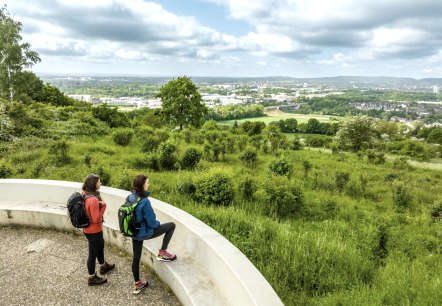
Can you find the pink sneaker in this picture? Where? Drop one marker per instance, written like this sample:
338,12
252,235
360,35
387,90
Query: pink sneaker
140,286
163,255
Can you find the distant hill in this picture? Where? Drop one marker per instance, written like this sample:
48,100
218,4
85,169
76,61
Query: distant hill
338,81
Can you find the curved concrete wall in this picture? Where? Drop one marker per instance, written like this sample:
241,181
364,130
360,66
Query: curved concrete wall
209,269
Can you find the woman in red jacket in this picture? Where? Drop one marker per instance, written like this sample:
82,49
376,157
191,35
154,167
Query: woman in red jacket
95,208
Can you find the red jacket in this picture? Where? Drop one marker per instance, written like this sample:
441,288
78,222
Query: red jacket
95,210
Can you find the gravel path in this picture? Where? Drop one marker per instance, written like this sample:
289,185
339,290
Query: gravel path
44,267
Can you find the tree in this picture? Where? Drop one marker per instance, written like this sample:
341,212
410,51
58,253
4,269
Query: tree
6,126
356,133
182,103
14,55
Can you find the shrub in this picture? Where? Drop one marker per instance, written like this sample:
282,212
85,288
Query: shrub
191,158
390,177
296,144
247,186
214,188
281,166
307,166
401,197
374,157
401,163
341,179
283,197
6,170
122,137
87,158
150,143
167,157
436,212
185,185
317,141
123,180
249,158
105,176
152,162
60,152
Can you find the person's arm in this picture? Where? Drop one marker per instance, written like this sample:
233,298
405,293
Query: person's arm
149,215
95,211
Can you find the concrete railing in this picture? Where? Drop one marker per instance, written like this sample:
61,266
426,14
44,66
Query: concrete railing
209,269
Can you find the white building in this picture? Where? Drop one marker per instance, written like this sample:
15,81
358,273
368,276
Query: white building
435,89
84,98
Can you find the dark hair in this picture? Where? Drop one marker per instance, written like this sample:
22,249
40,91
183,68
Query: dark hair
138,185
90,185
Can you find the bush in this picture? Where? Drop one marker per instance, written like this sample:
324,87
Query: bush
401,197
296,144
6,170
401,163
191,158
436,212
185,185
249,158
247,187
167,156
317,141
60,152
105,176
122,137
150,143
123,180
375,158
281,167
341,179
283,197
214,188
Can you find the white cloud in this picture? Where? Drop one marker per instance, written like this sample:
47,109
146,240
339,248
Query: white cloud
354,34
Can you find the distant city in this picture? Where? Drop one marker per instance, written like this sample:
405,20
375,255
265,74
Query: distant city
218,91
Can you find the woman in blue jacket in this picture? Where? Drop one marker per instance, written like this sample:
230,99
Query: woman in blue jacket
150,228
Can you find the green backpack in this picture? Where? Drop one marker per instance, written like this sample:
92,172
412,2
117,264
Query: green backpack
127,219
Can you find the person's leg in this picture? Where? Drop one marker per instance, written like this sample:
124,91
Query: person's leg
94,244
104,265
137,247
100,253
167,229
93,247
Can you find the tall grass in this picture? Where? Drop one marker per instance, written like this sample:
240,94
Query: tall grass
345,245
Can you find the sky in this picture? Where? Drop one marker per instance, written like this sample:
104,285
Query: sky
236,38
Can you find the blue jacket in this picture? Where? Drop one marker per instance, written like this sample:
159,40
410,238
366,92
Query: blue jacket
145,216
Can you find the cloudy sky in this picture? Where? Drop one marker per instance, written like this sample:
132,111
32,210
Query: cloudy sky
298,38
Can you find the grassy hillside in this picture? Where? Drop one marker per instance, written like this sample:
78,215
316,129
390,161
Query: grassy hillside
276,115
335,229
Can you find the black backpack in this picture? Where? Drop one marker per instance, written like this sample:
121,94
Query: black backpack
77,211
127,219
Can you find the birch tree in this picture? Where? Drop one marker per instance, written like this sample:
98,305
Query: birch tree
15,55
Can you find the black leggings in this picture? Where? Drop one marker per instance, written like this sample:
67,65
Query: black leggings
137,246
96,250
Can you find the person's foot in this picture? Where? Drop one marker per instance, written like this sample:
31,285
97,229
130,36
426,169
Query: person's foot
163,255
94,280
140,286
106,267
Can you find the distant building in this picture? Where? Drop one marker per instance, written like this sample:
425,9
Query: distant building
435,89
84,98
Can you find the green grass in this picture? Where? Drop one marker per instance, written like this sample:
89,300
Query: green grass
348,246
278,116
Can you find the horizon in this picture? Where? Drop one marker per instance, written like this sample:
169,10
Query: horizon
234,38
94,74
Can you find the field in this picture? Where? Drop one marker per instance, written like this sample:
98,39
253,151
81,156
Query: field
276,115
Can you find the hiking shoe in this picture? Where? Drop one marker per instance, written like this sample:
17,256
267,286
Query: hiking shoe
163,255
140,286
96,280
106,267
